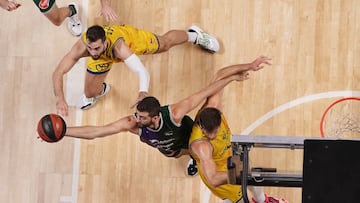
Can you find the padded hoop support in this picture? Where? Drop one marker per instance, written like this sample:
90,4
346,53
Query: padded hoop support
269,177
264,177
331,167
260,177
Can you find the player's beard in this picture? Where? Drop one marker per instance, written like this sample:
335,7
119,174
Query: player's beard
98,56
95,57
144,125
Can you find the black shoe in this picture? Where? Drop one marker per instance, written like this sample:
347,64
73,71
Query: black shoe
192,169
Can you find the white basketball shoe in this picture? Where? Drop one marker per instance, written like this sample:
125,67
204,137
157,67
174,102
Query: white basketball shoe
204,40
87,103
74,25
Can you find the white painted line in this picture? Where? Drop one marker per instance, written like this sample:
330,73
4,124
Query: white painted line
301,100
74,89
205,193
76,160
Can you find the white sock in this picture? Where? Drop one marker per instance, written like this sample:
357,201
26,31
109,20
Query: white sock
192,36
257,193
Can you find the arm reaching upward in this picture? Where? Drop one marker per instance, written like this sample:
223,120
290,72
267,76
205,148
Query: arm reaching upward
240,69
180,109
256,65
223,77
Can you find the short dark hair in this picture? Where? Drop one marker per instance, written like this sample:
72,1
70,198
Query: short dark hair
95,33
209,118
150,105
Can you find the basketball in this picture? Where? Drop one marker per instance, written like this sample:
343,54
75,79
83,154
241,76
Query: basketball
51,128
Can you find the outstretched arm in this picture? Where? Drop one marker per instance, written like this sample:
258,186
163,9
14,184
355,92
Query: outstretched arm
180,109
124,124
223,77
106,11
215,99
256,65
241,69
65,65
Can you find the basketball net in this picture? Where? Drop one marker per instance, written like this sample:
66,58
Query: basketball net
342,119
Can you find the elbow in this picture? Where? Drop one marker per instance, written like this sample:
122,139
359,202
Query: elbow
55,74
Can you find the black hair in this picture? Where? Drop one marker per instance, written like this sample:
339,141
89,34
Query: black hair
150,105
95,33
209,118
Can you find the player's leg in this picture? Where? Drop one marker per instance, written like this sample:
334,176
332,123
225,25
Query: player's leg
195,35
57,15
94,88
94,84
172,38
257,193
74,25
260,197
191,168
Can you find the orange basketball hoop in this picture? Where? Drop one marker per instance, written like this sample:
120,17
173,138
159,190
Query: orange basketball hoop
341,119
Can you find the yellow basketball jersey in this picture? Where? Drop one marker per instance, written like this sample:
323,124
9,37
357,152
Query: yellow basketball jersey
139,41
221,151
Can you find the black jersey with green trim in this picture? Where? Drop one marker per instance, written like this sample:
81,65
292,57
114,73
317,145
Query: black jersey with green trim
169,137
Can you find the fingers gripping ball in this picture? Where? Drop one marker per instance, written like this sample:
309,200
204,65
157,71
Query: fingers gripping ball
51,128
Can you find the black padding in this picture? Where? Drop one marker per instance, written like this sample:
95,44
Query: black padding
331,171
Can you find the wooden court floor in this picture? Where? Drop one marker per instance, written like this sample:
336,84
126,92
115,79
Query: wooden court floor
314,46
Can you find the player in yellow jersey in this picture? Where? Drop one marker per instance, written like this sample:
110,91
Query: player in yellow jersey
210,144
119,43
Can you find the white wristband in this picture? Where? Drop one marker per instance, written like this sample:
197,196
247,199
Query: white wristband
135,65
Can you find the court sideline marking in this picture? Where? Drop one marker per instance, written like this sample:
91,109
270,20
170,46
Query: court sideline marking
301,100
73,91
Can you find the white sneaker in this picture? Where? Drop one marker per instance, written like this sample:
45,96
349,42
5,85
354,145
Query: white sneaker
204,40
191,169
87,103
74,25
106,89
